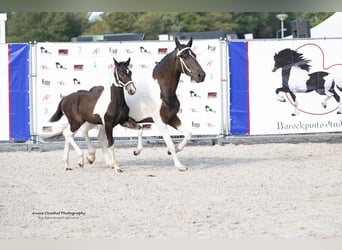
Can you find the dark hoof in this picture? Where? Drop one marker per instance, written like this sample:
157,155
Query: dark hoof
68,169
338,112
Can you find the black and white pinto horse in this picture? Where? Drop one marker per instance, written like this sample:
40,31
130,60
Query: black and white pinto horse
84,110
156,101
297,79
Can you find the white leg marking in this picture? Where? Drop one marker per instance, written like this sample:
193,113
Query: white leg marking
103,144
139,147
69,139
91,149
115,164
187,136
169,143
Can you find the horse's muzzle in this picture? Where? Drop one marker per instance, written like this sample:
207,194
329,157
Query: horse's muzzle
199,77
131,89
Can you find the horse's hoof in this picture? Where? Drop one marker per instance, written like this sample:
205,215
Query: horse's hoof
136,152
90,160
81,165
68,169
182,168
118,170
168,152
339,112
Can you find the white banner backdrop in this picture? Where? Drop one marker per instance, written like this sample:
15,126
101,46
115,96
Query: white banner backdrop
63,68
4,94
267,115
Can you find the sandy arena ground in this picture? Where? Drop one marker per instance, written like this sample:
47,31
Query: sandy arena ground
268,191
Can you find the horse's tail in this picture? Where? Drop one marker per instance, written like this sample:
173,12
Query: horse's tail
58,114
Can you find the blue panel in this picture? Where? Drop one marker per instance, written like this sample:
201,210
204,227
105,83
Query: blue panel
19,92
239,100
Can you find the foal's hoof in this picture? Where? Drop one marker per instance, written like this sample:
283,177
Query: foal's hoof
68,169
339,112
136,152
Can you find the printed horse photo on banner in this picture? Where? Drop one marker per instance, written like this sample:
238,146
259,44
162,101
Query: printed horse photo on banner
297,78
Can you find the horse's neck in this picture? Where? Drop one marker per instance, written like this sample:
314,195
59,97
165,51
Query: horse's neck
117,95
168,82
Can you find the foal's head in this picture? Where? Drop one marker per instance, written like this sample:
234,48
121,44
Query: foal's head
187,61
123,76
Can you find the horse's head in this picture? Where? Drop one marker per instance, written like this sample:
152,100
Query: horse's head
288,58
187,61
282,59
123,76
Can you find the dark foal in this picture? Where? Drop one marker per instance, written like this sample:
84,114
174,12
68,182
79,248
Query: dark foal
83,113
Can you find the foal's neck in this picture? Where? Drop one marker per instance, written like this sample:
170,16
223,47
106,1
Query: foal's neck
117,95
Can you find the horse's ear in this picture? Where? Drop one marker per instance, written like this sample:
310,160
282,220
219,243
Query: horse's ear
177,43
189,43
116,62
127,63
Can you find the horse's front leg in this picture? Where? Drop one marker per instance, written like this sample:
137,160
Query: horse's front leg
177,124
279,96
109,133
187,136
169,143
132,124
103,144
294,98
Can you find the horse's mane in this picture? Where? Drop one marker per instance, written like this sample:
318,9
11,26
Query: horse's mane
293,58
162,64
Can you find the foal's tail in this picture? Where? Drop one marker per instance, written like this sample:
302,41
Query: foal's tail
52,137
58,114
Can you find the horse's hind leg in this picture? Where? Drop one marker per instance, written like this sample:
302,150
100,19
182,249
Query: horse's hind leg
91,150
69,139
